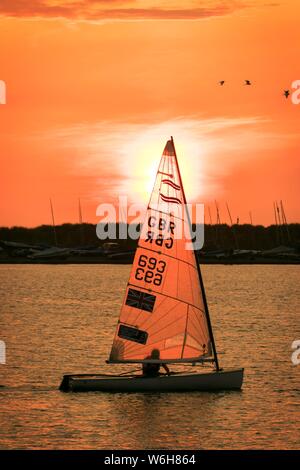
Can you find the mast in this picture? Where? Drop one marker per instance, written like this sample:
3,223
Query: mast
198,269
278,214
209,216
285,221
276,223
218,213
232,228
229,213
275,215
279,223
215,230
79,211
252,231
218,225
53,223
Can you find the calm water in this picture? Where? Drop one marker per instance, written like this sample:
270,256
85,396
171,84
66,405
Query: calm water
61,319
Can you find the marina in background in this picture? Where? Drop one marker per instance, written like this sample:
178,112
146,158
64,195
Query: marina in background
225,244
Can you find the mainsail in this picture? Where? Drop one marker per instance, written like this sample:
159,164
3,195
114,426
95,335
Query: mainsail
164,307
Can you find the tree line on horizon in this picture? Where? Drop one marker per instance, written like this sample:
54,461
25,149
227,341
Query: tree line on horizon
219,236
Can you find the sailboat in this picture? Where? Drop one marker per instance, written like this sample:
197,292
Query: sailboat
164,317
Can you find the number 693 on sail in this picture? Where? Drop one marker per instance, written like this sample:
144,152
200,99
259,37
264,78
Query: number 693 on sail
150,270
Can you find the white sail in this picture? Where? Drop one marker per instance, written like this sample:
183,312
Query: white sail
164,307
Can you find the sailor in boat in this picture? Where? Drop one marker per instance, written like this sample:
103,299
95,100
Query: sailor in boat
152,370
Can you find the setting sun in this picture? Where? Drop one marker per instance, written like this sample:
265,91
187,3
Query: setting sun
140,159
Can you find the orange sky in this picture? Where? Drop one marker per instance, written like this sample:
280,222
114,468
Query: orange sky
94,89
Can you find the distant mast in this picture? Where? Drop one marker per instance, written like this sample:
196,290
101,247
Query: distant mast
218,223
276,223
275,215
79,211
215,228
250,215
209,216
53,223
284,221
218,214
232,228
281,235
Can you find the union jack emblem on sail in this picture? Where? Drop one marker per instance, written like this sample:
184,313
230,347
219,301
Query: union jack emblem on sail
174,200
140,300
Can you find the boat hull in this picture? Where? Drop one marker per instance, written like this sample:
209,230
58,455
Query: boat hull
230,379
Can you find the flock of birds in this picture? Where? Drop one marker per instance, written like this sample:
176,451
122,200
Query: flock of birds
286,93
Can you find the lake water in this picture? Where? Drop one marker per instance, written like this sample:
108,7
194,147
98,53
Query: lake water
61,319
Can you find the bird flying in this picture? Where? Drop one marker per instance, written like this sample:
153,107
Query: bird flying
221,82
286,93
247,82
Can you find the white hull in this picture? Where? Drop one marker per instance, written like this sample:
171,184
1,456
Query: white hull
212,381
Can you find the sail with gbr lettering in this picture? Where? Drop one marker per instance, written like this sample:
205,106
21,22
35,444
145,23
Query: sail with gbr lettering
164,306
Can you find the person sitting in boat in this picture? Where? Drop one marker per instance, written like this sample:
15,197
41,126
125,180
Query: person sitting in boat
152,369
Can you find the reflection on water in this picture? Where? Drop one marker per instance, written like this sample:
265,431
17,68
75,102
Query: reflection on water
61,319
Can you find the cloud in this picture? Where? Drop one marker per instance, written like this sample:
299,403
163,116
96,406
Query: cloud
125,156
119,9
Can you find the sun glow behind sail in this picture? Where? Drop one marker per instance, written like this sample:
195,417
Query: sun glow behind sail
163,306
139,166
